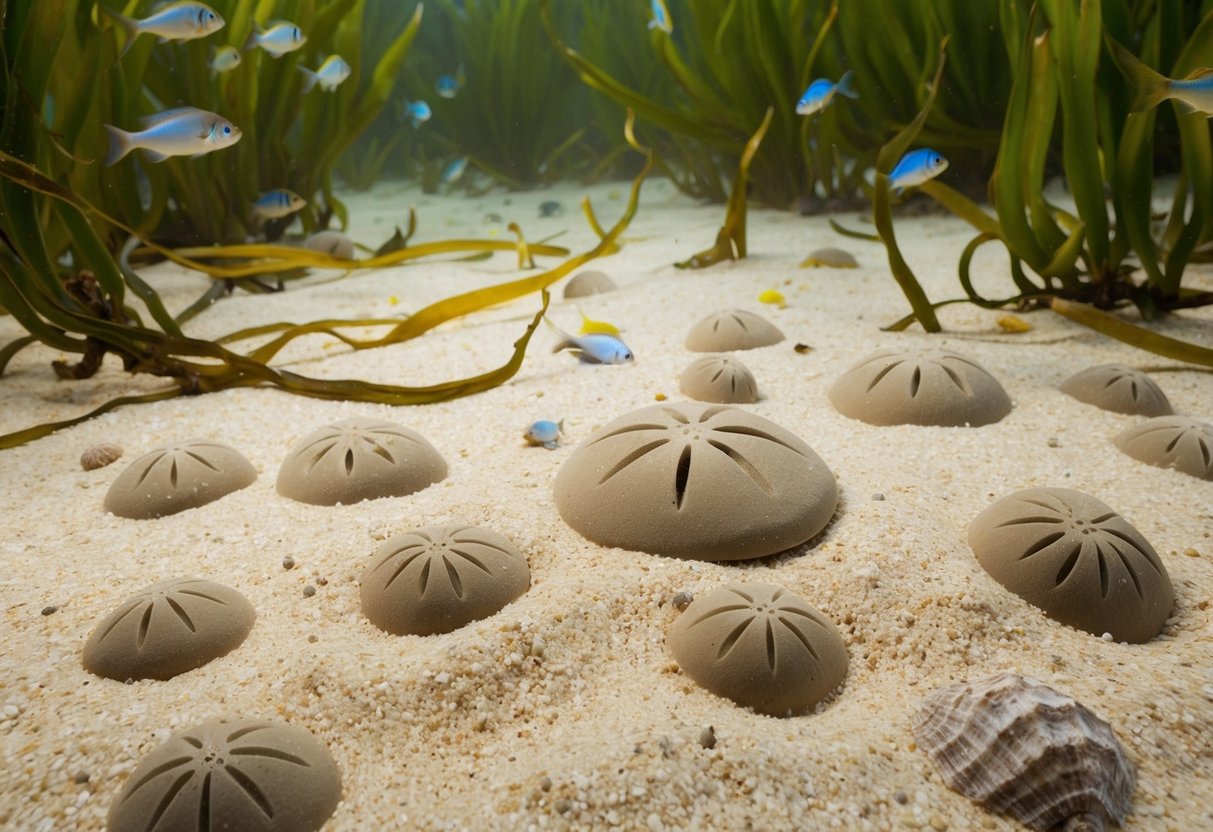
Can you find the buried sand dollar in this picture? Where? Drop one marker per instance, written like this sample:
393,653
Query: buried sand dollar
359,459
437,579
168,628
186,475
1119,389
732,329
1077,560
1171,442
589,282
707,482
719,378
249,775
760,646
920,387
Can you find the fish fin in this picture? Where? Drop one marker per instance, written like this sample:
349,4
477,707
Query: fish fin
163,116
129,26
250,42
1151,87
120,144
653,23
846,85
309,78
154,156
1197,74
1185,107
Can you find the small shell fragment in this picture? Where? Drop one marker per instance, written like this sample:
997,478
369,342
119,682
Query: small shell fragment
830,258
1021,748
1013,324
99,456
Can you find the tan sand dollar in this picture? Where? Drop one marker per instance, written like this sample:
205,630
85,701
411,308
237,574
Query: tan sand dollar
829,258
1077,560
1177,442
167,629
589,282
185,475
250,775
439,578
359,459
920,387
760,646
707,482
732,329
719,378
1119,389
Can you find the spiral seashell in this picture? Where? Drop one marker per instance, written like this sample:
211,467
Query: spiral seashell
1019,747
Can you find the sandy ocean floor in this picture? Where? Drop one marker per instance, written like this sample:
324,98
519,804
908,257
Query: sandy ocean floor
566,710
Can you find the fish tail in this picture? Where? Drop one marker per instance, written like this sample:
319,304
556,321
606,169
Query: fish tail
1151,88
846,85
129,26
120,144
565,340
309,79
251,41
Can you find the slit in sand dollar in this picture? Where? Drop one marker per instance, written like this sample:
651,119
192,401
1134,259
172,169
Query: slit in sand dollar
1076,559
1119,389
1171,442
760,646
589,282
1021,748
707,482
732,329
250,775
920,387
719,378
167,629
359,459
186,475
439,578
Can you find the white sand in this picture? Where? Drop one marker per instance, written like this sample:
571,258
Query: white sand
565,709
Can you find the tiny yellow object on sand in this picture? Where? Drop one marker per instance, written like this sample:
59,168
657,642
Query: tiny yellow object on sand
1013,323
773,297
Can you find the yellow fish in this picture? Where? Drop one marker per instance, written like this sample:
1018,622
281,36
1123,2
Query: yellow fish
773,297
591,327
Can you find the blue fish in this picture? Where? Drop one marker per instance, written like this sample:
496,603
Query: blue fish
593,349
449,85
545,433
184,131
915,168
279,203
822,91
661,17
416,112
454,171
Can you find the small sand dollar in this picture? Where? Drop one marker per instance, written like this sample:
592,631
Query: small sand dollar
1171,442
330,242
699,481
1077,560
185,475
359,459
99,456
760,646
830,258
589,282
1119,389
439,578
732,329
168,628
719,378
245,774
920,387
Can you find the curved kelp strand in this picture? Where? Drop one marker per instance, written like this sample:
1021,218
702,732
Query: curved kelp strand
1137,336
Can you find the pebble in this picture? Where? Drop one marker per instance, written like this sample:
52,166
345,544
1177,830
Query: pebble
707,737
288,562
1052,442
682,600
51,610
309,591
878,497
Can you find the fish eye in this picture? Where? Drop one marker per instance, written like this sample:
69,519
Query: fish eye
227,131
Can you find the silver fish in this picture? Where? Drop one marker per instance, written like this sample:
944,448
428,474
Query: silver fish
282,37
226,58
179,21
328,76
279,203
185,131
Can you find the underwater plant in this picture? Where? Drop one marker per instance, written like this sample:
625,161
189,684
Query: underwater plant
1065,58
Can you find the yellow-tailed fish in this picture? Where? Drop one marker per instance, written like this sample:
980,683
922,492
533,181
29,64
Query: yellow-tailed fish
545,433
328,76
589,326
592,349
773,297
224,59
279,203
282,37
177,21
185,131
1194,93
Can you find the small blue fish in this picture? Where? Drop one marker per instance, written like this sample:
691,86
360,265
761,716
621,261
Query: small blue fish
593,349
448,86
915,168
661,17
454,171
184,131
328,76
416,112
545,433
178,21
282,37
822,91
279,203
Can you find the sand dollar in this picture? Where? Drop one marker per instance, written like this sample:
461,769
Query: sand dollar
1171,442
920,387
830,258
167,629
1077,560
1119,389
185,475
359,459
732,329
439,578
588,282
245,774
696,481
760,646
719,378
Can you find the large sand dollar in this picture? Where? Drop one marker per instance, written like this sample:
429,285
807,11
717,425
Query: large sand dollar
185,475
359,459
1078,560
732,329
1119,389
920,387
719,378
1177,442
696,481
